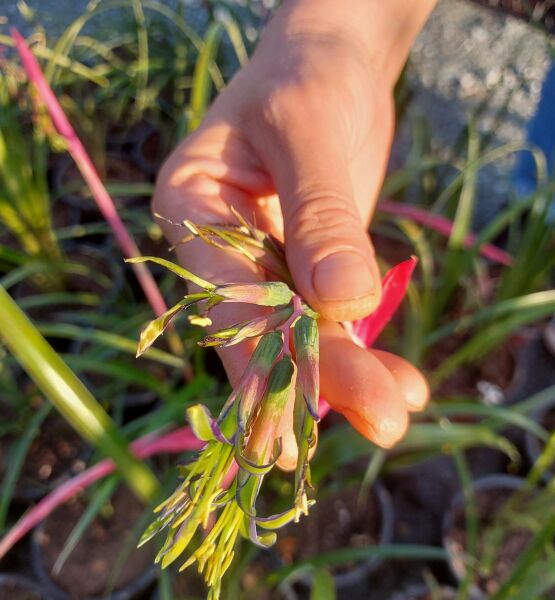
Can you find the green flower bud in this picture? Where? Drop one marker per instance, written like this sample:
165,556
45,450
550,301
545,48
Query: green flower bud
252,385
253,328
272,293
307,349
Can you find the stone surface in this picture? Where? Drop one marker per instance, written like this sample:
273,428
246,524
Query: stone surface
468,62
471,62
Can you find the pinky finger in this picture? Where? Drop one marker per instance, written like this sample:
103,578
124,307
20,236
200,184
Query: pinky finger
411,382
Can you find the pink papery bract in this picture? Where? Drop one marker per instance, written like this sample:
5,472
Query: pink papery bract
365,331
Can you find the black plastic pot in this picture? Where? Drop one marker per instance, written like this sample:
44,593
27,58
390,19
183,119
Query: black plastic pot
134,587
535,446
17,587
356,574
73,456
506,484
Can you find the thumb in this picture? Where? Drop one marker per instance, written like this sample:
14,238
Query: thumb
328,249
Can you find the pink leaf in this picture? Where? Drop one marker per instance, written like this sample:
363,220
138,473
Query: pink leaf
443,226
394,288
88,171
174,442
365,331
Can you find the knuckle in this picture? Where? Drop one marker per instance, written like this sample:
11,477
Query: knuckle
277,106
324,214
290,103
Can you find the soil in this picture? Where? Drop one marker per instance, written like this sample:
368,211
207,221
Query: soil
6,413
496,368
489,504
15,589
336,521
419,593
98,551
56,454
548,420
63,215
188,585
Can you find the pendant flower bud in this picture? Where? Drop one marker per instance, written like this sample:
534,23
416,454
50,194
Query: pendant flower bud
269,419
306,341
263,434
248,393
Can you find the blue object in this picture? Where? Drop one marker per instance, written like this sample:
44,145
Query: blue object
540,133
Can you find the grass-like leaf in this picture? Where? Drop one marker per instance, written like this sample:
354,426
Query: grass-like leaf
69,395
179,271
157,326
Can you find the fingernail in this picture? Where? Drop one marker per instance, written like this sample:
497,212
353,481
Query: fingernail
344,275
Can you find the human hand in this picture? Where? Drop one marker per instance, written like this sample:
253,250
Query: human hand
298,143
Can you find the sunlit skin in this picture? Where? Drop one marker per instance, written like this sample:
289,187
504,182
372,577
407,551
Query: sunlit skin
298,143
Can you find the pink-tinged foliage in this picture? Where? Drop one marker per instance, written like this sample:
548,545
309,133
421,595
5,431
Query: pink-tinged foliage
88,171
365,331
180,440
394,289
443,226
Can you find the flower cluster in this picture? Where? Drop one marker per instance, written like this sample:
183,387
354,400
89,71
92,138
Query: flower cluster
247,439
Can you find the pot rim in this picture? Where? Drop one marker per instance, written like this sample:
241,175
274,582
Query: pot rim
365,568
128,592
489,482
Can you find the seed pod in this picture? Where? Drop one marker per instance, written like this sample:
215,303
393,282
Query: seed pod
272,293
307,350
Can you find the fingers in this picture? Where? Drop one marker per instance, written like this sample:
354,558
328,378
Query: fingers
196,184
411,382
328,250
357,383
287,460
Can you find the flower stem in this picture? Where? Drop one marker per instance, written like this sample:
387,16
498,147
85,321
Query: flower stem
286,327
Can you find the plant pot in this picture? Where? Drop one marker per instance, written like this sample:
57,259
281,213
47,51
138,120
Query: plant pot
16,587
335,522
148,149
493,378
544,416
67,183
87,572
56,454
491,493
136,398
90,270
